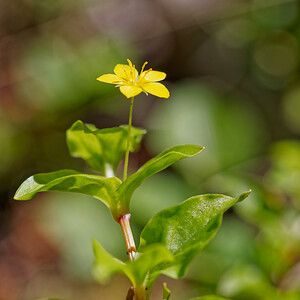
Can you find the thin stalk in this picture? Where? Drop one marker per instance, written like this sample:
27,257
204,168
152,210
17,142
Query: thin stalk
128,141
130,294
124,222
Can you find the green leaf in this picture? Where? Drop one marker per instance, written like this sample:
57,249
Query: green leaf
102,149
111,191
99,187
210,297
154,165
145,262
137,271
166,292
105,264
185,229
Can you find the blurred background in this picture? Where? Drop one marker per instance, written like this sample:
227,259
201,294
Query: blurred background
233,73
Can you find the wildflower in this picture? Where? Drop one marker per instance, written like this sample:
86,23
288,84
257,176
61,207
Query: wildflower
131,83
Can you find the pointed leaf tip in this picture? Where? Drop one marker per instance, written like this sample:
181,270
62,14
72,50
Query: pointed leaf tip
153,166
198,217
243,196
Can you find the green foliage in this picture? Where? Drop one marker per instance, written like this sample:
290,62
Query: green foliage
99,187
102,149
111,191
155,165
169,241
185,229
106,265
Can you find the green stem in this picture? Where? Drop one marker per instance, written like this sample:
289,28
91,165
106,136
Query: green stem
140,293
128,141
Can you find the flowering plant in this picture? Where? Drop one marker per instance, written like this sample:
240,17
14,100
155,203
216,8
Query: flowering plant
174,236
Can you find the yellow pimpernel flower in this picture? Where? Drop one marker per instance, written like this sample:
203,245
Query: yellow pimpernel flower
131,83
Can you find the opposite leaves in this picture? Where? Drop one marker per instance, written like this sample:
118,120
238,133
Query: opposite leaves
114,193
169,241
102,149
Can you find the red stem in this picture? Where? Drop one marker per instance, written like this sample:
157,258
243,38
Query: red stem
124,222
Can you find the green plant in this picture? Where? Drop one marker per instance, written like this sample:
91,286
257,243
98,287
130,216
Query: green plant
173,237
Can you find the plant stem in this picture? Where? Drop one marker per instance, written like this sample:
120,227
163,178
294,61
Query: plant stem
129,241
130,294
109,172
128,140
140,293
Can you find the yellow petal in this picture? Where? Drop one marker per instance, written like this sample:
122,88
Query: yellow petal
110,78
125,72
153,75
130,90
156,89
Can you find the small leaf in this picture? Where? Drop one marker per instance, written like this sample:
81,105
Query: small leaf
147,260
99,187
137,271
154,165
185,229
166,292
105,265
102,149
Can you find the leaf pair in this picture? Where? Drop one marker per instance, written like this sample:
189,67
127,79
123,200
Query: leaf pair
102,149
169,241
84,141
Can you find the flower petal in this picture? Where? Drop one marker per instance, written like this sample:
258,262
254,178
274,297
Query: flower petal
153,75
110,78
156,89
126,72
130,90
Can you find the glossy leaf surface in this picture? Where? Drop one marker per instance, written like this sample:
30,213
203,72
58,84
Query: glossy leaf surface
153,166
186,228
115,194
99,187
102,149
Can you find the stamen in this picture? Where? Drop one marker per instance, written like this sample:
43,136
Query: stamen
129,62
143,67
133,73
145,73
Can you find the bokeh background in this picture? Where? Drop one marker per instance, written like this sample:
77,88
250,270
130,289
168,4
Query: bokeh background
233,74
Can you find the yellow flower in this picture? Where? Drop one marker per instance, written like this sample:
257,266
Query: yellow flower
131,83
